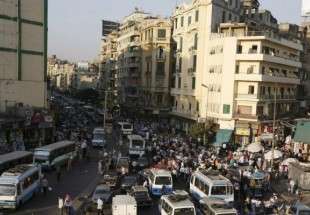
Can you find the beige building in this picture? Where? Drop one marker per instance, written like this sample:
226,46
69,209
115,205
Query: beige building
231,62
156,64
23,53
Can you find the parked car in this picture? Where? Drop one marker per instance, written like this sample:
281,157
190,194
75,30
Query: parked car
141,195
127,182
103,192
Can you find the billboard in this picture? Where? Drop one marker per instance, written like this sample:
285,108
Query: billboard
305,8
108,27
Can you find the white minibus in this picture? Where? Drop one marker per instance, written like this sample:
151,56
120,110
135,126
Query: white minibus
210,183
19,184
160,182
55,154
177,203
125,128
136,145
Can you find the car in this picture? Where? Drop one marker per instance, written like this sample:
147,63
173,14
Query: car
103,192
110,179
123,162
127,182
141,195
142,162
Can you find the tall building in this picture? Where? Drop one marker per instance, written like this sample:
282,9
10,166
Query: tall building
108,27
156,65
23,53
230,64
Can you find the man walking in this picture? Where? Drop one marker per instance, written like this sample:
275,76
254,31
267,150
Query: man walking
45,185
100,206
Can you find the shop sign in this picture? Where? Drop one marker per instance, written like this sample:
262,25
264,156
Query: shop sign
243,131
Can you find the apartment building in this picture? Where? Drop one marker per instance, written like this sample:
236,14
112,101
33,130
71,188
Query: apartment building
156,64
108,66
193,24
250,75
129,59
23,53
231,64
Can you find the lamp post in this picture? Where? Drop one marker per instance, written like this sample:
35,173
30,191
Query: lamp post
204,133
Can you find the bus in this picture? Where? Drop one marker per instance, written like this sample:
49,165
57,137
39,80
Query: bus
210,183
160,182
19,184
136,145
216,206
55,154
12,159
177,203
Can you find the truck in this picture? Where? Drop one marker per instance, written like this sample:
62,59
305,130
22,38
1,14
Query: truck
124,205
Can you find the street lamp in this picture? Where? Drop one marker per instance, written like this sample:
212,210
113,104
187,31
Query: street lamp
204,133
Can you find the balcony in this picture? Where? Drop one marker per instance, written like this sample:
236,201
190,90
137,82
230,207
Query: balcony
268,58
248,76
255,97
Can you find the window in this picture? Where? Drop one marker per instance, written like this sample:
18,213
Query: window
160,68
196,41
181,43
237,69
190,107
173,82
194,62
223,16
197,16
161,33
159,99
189,20
182,21
176,23
230,2
226,109
251,90
193,83
263,70
197,107
229,17
239,49
180,65
179,82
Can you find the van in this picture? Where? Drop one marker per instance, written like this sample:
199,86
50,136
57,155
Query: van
98,138
177,203
124,205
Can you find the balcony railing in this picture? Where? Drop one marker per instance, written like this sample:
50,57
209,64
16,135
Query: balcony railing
265,97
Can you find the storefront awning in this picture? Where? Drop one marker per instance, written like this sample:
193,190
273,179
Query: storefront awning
223,136
302,133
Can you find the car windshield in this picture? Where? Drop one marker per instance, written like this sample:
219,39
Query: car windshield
7,190
184,211
163,180
102,190
218,190
98,136
137,143
141,194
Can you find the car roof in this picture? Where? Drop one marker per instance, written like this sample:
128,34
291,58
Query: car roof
102,186
139,189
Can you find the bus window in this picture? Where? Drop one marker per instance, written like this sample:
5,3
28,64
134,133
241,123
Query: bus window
218,190
7,190
229,190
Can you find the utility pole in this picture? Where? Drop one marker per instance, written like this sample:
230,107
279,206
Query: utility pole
274,126
105,108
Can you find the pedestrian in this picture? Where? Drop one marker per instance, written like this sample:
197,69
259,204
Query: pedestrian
100,172
99,206
68,204
60,205
84,149
69,163
44,185
58,173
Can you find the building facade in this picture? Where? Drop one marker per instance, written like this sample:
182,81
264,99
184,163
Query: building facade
23,53
156,65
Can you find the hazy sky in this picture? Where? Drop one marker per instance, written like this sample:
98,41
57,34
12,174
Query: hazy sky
75,25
